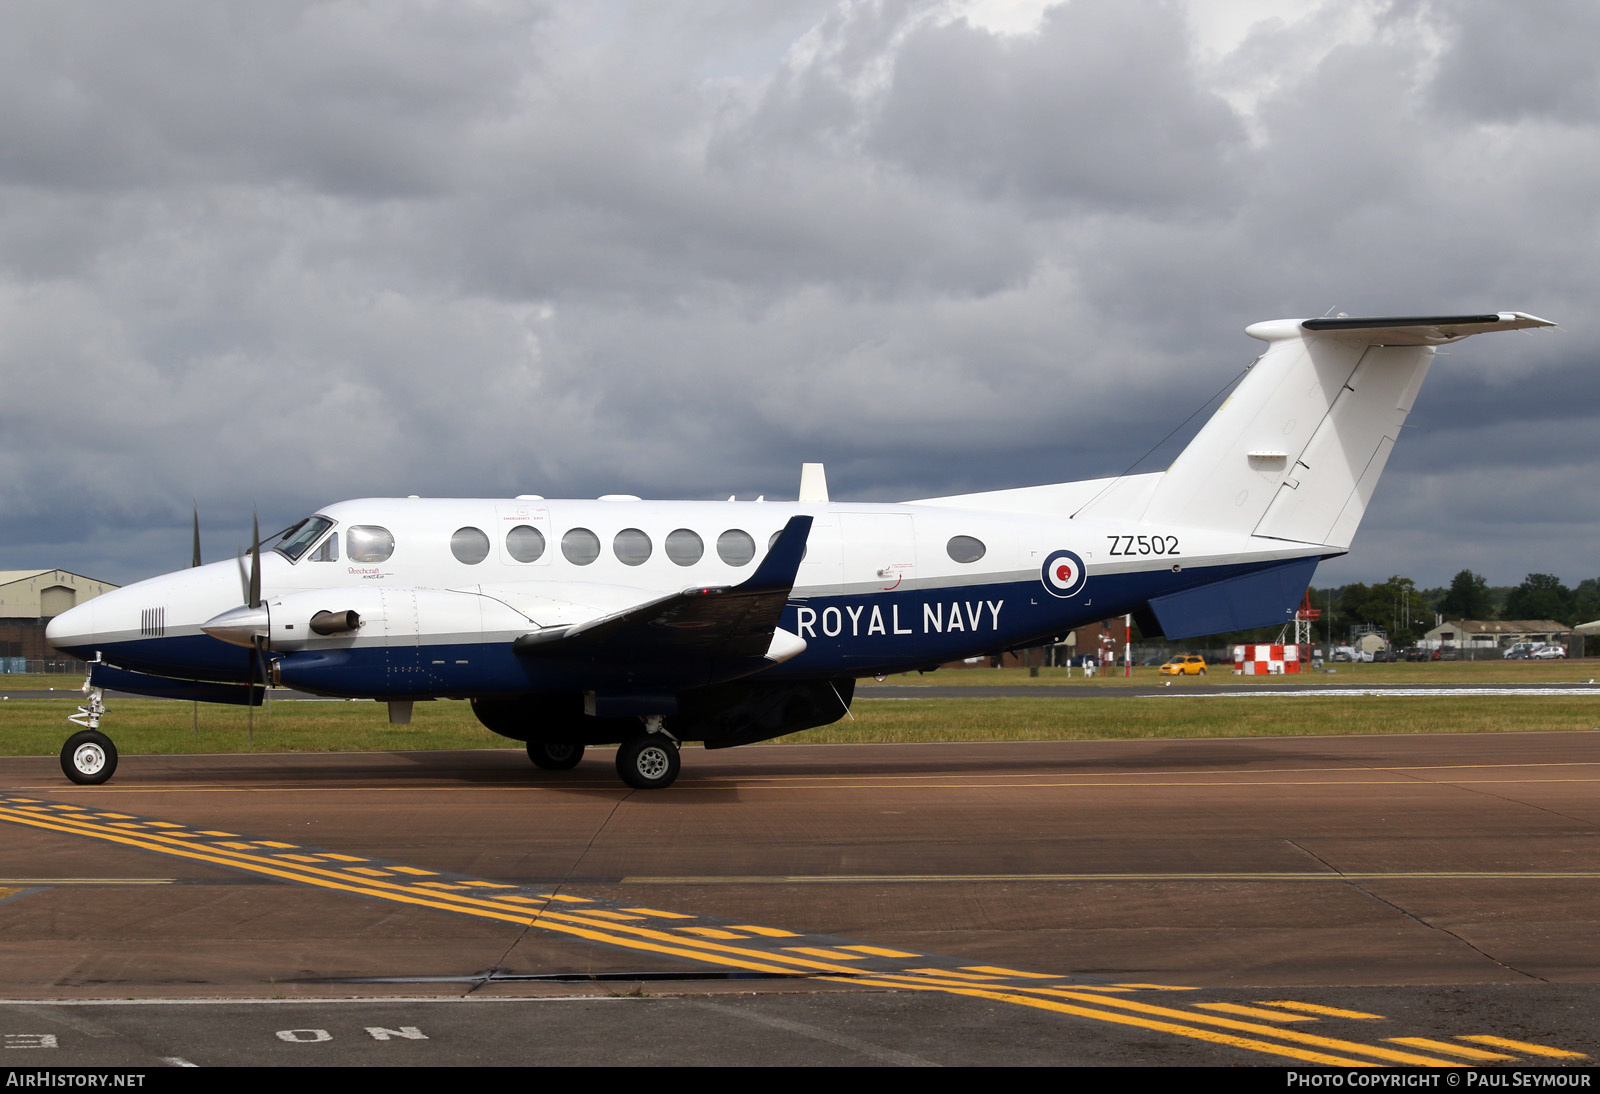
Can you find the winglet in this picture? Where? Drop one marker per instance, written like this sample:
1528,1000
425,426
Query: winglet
777,571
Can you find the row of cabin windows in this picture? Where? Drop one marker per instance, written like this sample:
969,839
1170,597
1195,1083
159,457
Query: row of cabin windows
370,543
632,546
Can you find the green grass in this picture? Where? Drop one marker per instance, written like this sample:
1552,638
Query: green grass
33,727
151,726
1420,674
38,681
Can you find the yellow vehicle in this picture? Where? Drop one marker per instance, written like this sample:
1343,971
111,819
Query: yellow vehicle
1188,664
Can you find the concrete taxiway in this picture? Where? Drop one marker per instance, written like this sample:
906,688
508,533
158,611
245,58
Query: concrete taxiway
1405,899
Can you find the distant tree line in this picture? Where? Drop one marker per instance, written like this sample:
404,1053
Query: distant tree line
1406,613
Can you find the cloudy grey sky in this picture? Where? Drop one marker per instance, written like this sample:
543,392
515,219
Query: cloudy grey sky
287,253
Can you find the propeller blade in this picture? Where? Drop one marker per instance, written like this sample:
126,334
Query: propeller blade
196,561
254,599
250,722
250,709
257,650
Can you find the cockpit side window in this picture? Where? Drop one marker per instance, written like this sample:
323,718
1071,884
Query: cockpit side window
368,543
301,536
328,551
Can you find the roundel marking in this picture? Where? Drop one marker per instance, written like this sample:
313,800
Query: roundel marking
1064,574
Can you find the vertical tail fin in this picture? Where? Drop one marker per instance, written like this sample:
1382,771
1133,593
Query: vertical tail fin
1295,453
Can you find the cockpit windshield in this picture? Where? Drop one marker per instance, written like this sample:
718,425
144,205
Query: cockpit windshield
301,536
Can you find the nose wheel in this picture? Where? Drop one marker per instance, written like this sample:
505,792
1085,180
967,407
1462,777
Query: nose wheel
88,758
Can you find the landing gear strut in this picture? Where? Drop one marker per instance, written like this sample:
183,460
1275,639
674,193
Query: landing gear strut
649,760
89,758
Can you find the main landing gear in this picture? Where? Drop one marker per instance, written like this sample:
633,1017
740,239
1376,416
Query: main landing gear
646,760
89,758
649,760
555,755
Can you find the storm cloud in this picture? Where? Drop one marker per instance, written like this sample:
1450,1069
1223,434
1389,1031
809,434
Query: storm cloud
277,255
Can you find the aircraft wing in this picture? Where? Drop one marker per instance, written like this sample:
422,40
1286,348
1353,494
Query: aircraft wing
714,627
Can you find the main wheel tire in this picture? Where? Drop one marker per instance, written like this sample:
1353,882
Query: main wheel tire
648,761
88,758
555,755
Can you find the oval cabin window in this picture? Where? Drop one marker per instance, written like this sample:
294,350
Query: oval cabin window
631,546
964,549
525,543
685,547
735,547
580,546
470,545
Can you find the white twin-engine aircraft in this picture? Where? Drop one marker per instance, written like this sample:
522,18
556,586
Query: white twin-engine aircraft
645,624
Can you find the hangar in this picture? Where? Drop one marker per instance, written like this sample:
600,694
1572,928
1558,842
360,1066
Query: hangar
1491,636
28,600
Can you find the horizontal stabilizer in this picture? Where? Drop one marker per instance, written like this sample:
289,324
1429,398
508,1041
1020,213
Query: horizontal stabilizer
1423,330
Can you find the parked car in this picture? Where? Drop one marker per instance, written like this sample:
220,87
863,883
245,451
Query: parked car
1547,653
1188,664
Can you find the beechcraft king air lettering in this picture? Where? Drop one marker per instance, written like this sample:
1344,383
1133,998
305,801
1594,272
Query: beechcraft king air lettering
645,624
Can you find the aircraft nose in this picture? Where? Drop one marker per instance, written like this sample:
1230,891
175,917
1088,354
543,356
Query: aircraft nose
73,629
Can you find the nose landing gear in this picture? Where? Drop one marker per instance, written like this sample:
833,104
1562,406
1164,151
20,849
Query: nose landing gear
89,758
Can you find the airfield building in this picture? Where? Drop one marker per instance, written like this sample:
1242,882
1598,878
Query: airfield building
1490,636
28,600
